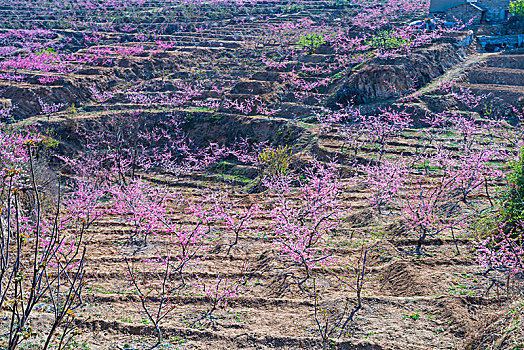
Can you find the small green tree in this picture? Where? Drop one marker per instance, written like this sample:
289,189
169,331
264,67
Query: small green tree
388,39
311,41
508,217
513,201
516,8
275,162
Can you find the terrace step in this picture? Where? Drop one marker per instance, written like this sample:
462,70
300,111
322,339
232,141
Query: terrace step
506,61
253,87
316,58
496,75
512,94
293,110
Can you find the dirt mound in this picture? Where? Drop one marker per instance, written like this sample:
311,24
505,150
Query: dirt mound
25,99
500,330
381,79
403,280
503,76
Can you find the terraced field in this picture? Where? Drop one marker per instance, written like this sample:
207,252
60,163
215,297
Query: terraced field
231,73
501,77
221,53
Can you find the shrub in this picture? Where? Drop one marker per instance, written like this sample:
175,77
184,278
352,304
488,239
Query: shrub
516,8
311,41
43,253
48,51
513,200
305,209
275,162
388,40
500,245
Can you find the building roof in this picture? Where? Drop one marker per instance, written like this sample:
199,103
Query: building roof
444,5
478,7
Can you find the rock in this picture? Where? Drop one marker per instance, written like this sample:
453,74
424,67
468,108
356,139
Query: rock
382,79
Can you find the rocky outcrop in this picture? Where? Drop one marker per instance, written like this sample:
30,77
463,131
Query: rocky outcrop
382,79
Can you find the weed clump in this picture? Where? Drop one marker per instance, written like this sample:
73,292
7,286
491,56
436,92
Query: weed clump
516,8
311,41
501,230
275,161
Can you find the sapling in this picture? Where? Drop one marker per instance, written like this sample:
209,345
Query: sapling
182,247
142,205
333,318
302,217
42,255
385,180
49,109
329,318
222,291
100,96
155,292
233,218
428,211
379,128
473,169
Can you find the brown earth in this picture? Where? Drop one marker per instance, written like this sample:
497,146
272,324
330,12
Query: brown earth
408,303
